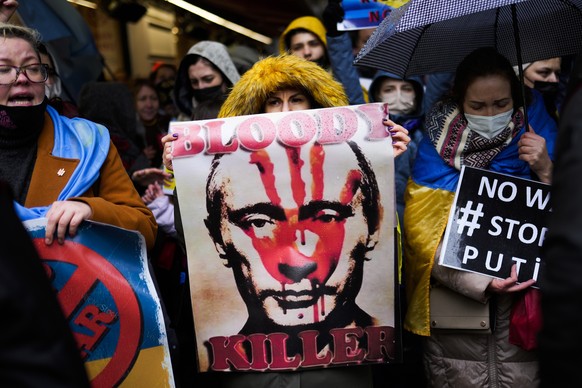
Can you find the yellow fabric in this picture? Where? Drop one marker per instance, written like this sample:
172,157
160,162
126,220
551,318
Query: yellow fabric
366,95
399,248
150,369
309,23
249,94
426,215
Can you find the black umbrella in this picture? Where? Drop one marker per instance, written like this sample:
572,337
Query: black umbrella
427,36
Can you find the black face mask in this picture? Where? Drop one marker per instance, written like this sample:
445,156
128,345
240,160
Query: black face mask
23,118
206,94
547,89
164,90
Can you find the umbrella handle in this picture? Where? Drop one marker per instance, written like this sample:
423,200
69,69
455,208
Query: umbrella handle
519,63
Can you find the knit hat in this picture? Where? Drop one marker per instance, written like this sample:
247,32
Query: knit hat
271,74
309,23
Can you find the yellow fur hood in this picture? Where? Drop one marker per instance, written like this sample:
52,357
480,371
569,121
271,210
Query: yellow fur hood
250,93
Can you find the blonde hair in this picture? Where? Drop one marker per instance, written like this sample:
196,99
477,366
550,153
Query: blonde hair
28,34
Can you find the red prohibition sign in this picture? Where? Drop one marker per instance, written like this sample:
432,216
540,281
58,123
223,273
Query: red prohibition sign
93,268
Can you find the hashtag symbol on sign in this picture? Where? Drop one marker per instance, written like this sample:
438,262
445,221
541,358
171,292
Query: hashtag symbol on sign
474,222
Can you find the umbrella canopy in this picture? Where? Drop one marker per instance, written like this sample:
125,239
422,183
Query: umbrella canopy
427,36
69,40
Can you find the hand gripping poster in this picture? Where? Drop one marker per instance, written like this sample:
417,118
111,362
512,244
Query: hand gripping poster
289,227
108,297
497,222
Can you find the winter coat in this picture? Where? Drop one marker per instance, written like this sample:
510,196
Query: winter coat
413,123
113,199
560,337
217,54
341,59
480,360
163,211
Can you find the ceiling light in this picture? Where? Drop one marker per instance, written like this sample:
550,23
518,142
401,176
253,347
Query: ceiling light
220,21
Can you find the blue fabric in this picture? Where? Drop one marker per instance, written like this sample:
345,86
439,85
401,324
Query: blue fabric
437,86
413,123
74,139
430,169
339,49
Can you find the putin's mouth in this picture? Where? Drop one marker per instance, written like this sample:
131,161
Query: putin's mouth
289,300
298,299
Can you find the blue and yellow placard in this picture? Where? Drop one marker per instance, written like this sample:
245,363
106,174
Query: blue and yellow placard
107,295
360,14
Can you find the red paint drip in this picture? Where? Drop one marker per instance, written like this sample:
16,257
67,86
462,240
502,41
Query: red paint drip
315,305
353,182
283,291
316,159
263,161
297,184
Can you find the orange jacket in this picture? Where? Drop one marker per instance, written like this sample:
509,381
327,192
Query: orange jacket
113,198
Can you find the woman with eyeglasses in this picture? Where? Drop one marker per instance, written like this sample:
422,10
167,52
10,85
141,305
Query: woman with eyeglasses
65,170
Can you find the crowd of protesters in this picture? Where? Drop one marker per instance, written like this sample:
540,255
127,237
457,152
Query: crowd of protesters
129,161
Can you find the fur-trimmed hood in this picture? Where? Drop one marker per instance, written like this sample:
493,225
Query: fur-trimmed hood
309,23
250,94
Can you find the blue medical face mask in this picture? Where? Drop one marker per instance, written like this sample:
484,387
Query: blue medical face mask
489,126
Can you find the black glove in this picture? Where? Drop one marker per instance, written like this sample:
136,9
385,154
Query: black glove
332,15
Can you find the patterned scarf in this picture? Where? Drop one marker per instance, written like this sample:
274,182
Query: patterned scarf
447,129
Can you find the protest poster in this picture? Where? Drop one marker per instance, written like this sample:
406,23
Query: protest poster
497,221
289,228
360,14
108,297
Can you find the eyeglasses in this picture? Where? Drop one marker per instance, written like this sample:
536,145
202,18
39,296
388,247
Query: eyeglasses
36,72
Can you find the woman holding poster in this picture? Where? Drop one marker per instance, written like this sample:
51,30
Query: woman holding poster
62,169
480,125
283,84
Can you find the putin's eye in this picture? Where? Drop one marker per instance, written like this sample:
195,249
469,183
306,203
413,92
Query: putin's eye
260,225
328,215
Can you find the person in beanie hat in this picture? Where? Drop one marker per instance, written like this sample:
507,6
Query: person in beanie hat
305,38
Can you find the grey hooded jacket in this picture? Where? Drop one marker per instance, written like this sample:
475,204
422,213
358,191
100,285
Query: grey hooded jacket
214,52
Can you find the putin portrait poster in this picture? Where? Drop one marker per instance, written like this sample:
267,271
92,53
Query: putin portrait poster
289,224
